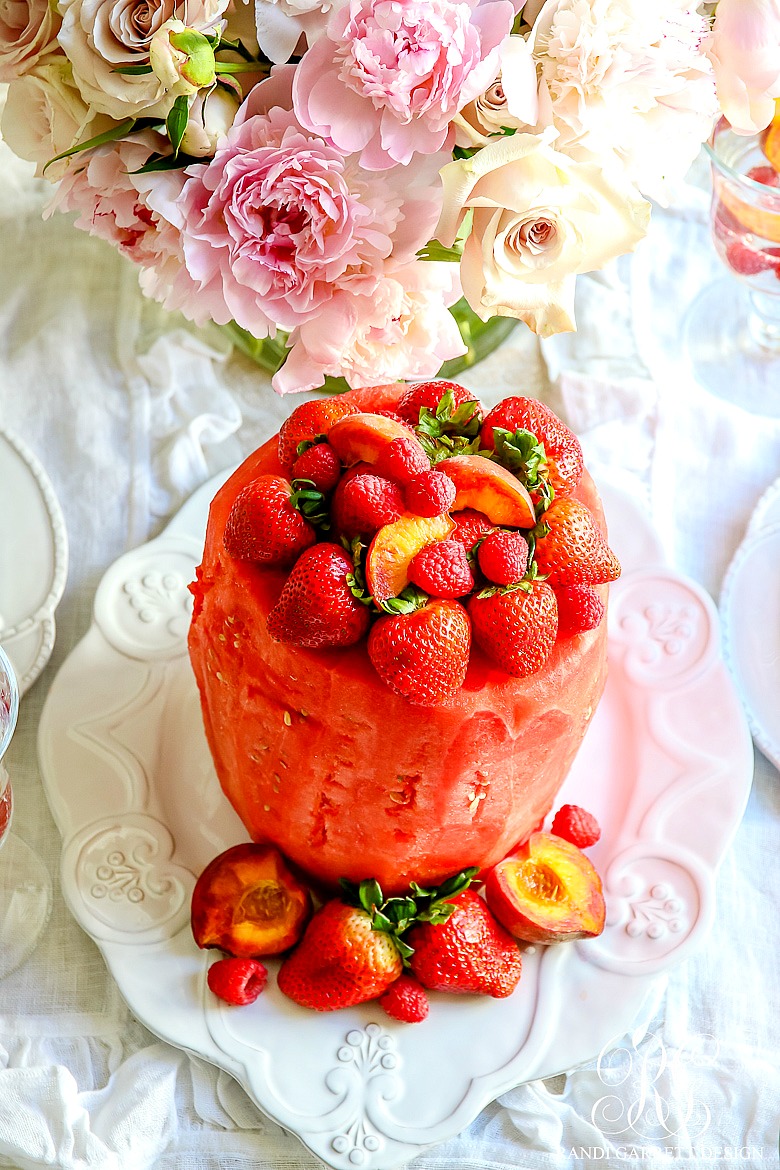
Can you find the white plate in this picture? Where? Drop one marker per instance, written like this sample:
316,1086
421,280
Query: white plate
666,767
33,559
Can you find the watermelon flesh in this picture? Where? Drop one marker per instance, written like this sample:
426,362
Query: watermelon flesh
347,779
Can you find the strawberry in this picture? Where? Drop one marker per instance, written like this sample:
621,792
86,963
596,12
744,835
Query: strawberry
321,465
317,607
470,952
264,526
561,445
364,503
469,527
442,570
516,628
307,422
503,557
429,395
579,608
401,460
431,493
575,825
423,656
573,551
237,981
745,261
341,960
405,1000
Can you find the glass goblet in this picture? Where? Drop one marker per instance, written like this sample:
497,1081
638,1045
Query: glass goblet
732,329
25,887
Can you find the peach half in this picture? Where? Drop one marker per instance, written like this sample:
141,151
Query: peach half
394,547
363,438
489,488
248,903
547,892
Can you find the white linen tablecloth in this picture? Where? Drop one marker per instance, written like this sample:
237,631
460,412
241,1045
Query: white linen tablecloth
129,410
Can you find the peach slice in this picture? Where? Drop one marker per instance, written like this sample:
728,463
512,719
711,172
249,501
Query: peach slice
547,892
248,903
491,489
770,139
394,547
364,437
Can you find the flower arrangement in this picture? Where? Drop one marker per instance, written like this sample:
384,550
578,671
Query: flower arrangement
337,173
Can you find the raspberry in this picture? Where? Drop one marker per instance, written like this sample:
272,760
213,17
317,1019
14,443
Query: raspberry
442,570
237,981
402,460
503,557
576,825
320,464
579,608
430,493
469,527
767,176
405,1000
745,261
430,394
365,503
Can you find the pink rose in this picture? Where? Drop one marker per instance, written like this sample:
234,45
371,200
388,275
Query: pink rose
280,219
28,29
745,52
388,76
401,329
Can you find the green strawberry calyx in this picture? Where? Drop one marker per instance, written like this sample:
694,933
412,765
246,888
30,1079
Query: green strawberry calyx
311,503
449,429
524,455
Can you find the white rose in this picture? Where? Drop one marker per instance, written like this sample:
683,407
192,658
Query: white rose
210,118
28,30
539,218
99,36
45,114
512,101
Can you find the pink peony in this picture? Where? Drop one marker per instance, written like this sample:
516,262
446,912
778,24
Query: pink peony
745,52
280,220
388,76
400,329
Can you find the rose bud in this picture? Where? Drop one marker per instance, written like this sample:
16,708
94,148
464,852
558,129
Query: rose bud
211,116
181,58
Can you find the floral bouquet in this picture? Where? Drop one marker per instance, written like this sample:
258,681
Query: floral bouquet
333,175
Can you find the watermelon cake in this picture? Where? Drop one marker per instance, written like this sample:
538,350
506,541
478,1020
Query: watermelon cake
398,631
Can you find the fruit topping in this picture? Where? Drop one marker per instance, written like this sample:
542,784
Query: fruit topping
237,981
403,460
265,526
547,892
318,607
320,465
561,445
469,953
770,139
574,824
428,396
442,570
579,609
405,1000
393,548
470,527
430,493
307,423
491,489
746,261
423,656
766,176
367,438
248,903
573,551
503,557
364,503
516,627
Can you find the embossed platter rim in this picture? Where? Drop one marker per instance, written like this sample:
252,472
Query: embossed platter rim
122,719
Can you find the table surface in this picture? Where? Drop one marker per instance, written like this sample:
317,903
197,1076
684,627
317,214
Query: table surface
129,410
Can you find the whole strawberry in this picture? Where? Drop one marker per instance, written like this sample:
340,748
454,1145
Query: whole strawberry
317,607
579,609
517,628
340,961
264,526
307,422
423,656
574,552
469,953
561,445
320,465
429,395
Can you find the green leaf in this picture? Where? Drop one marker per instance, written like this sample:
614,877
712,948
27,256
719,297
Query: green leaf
166,162
176,122
232,67
132,70
237,46
433,250
370,893
410,600
112,135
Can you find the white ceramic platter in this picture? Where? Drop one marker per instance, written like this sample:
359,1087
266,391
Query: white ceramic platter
666,767
33,559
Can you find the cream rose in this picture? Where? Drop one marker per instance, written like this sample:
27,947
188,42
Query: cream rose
539,218
45,114
99,36
28,30
511,101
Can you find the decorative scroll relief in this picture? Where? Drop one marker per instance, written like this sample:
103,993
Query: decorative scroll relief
366,1074
667,625
143,604
121,880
